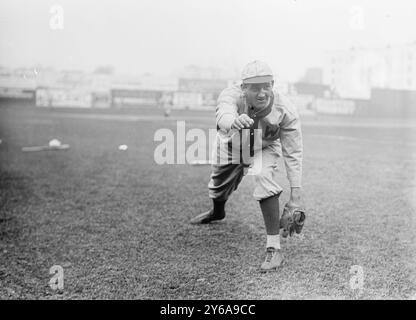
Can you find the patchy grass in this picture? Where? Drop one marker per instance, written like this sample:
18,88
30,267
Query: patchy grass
118,223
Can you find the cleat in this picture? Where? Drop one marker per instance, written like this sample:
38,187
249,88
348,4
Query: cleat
274,259
207,217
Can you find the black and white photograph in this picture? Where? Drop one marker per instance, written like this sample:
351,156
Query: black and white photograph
207,150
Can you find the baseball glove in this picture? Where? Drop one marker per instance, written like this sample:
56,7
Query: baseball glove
292,220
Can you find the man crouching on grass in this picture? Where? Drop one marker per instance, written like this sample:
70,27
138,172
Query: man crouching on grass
256,105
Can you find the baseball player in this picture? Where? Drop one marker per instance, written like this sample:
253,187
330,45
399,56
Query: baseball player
254,105
165,102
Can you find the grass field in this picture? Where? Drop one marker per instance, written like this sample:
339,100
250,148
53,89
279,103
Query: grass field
118,223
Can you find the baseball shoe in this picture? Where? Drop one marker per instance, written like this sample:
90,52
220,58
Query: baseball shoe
207,217
274,259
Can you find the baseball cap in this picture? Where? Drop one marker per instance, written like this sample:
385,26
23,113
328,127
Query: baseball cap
257,72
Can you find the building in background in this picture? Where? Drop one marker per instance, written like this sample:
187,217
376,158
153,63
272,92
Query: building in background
196,92
315,89
100,85
63,96
353,73
200,72
359,81
304,93
145,91
17,86
313,76
67,88
199,87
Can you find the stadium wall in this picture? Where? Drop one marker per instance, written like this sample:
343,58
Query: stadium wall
17,97
392,103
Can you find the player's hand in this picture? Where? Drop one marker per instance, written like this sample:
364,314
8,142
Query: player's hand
293,216
243,121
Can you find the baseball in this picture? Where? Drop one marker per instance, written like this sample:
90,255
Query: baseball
54,143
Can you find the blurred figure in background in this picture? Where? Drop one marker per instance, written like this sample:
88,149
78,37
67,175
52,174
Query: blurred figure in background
166,103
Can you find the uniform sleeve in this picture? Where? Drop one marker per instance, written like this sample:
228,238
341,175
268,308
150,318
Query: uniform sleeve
227,109
292,147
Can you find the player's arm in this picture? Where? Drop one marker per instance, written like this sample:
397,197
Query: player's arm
292,150
227,111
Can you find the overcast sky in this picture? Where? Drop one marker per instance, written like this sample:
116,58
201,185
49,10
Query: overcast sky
161,36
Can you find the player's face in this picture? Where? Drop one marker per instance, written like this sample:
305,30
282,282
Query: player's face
258,94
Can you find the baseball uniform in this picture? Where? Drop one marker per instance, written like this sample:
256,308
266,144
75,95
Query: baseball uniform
278,134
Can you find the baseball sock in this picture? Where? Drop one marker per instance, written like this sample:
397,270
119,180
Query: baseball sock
270,210
219,207
273,241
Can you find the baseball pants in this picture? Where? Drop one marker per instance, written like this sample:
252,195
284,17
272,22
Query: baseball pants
225,178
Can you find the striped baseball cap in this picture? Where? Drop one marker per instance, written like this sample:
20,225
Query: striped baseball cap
257,72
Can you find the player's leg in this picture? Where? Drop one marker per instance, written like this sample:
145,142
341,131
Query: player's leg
224,180
267,192
270,210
